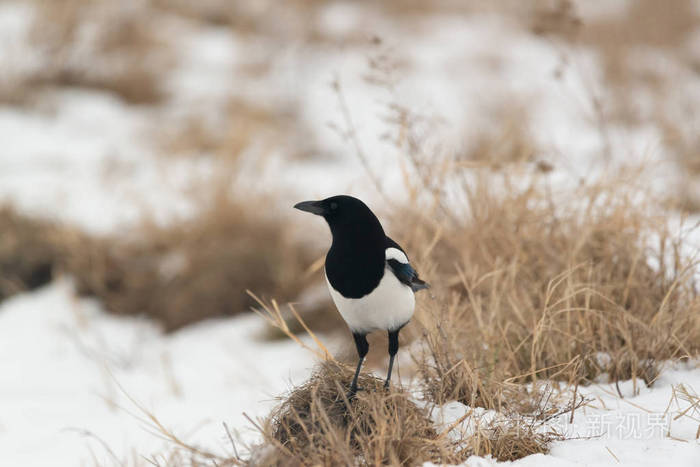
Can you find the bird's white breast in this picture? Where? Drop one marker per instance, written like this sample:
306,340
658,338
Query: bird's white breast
389,306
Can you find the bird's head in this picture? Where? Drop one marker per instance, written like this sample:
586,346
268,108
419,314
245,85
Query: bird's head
340,211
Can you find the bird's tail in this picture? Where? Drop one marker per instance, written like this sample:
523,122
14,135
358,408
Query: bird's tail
417,284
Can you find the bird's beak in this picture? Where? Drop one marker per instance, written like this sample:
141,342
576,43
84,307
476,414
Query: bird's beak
314,207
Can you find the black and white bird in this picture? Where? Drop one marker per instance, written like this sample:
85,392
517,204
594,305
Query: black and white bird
369,276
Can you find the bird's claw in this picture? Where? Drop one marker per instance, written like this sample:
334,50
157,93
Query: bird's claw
353,392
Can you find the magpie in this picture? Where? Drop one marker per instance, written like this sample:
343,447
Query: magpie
368,274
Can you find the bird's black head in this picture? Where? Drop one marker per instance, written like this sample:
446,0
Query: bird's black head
342,212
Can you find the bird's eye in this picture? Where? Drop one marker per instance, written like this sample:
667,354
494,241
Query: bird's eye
334,205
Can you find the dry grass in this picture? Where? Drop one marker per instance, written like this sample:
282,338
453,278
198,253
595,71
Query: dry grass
193,270
543,286
317,425
511,142
579,285
242,126
177,275
93,44
250,19
643,23
687,402
508,441
574,285
529,286
647,26
648,72
683,144
27,253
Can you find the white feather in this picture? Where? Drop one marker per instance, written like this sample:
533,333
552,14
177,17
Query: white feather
387,307
395,253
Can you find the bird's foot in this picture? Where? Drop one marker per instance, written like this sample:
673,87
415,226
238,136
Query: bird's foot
386,384
353,392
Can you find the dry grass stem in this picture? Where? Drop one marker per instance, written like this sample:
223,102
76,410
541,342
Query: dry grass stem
272,314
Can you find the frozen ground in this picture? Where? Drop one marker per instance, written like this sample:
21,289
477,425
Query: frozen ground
68,370
76,381
644,427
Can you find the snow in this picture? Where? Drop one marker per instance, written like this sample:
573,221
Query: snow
70,369
647,426
62,164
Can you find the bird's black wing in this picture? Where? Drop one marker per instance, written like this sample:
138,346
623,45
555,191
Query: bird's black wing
404,272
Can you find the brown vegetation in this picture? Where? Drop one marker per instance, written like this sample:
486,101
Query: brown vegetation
27,254
528,284
543,285
242,126
317,425
179,274
96,44
528,287
192,270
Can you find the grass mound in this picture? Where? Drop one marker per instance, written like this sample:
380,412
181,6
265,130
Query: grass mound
317,425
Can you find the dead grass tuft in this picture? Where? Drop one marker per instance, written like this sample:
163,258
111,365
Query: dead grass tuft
241,127
684,148
177,275
645,23
687,403
511,142
99,45
533,290
316,425
196,269
27,254
509,440
555,18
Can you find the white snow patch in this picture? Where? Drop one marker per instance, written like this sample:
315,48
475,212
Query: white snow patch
647,426
68,369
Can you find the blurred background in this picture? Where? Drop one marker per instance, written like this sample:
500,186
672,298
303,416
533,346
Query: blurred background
151,150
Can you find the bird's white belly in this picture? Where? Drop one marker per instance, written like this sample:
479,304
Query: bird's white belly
389,306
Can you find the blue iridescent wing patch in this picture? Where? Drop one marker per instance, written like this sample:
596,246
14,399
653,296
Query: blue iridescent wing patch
405,273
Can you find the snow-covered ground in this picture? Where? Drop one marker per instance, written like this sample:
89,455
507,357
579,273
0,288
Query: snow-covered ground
78,384
75,379
72,377
646,426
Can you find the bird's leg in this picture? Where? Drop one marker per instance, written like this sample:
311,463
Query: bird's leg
393,349
362,348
